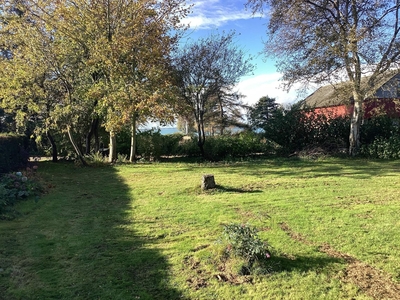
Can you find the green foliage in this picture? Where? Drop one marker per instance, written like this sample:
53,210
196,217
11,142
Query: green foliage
149,144
378,127
171,144
296,128
224,147
385,148
188,147
96,159
262,112
84,74
122,158
13,153
7,123
380,138
243,242
15,187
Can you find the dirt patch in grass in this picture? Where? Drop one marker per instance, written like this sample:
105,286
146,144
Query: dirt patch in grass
371,281
294,235
200,277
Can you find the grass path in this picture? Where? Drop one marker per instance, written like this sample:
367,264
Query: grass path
148,232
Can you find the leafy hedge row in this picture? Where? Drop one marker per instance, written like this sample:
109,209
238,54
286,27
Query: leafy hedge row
13,151
380,138
152,144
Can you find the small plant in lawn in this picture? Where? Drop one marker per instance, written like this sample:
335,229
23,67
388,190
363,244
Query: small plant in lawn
122,158
243,242
18,186
95,159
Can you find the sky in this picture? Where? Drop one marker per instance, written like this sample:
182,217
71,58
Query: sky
213,16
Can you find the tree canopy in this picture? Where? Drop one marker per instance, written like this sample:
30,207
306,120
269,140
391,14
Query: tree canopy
206,69
262,112
334,40
74,59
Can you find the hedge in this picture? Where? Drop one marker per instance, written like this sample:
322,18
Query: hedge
13,153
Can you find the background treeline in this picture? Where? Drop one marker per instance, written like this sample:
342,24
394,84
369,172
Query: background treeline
270,130
79,80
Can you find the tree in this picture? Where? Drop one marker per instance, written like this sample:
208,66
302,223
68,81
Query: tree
101,59
334,40
262,112
39,79
225,109
205,68
128,44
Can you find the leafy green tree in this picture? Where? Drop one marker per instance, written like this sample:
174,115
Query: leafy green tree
108,60
262,112
320,41
225,110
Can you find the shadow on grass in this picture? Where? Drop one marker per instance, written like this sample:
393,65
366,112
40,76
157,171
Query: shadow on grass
227,189
302,264
357,168
81,243
305,263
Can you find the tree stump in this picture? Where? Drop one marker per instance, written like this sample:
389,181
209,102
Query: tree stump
208,182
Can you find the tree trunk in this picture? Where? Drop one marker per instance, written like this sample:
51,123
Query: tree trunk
221,115
53,146
355,125
76,147
201,137
93,129
96,136
132,155
112,148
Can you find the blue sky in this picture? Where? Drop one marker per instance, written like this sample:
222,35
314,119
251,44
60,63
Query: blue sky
210,16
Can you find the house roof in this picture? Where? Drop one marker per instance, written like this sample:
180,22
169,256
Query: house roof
341,93
328,95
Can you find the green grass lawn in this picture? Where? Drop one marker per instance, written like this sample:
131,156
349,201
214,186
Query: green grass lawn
147,231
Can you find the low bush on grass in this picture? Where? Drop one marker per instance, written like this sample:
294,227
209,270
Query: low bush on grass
15,187
242,245
96,159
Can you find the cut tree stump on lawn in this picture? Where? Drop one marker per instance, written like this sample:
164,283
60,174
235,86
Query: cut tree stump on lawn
208,182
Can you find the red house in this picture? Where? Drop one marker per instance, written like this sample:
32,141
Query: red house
337,101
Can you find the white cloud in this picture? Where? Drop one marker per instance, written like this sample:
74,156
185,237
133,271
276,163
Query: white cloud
266,85
212,14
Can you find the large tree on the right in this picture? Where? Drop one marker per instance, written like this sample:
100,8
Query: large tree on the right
326,41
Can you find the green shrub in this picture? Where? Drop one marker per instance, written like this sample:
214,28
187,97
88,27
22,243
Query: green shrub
152,145
96,159
189,147
381,126
171,144
149,144
385,148
14,155
297,128
122,158
243,242
243,144
17,186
